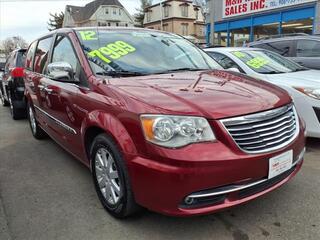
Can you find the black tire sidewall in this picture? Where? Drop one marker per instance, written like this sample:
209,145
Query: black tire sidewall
103,141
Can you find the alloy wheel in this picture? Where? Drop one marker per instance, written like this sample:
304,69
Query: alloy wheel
32,119
107,176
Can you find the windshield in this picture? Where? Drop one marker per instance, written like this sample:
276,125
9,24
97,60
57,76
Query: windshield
266,62
141,52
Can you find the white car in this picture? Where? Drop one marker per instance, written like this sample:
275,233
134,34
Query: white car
302,84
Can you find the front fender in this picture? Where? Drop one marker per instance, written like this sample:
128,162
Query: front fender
112,126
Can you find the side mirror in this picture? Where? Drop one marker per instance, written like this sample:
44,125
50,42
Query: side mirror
61,71
233,69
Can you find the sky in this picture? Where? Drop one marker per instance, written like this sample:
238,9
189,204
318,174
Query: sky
28,18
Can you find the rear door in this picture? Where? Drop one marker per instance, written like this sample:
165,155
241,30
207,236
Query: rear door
307,53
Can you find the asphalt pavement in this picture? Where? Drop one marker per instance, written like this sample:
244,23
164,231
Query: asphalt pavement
47,194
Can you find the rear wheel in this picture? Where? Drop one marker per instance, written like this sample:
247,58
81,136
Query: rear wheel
111,178
36,130
4,102
17,108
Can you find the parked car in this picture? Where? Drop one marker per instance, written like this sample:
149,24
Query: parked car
157,130
304,49
302,83
12,84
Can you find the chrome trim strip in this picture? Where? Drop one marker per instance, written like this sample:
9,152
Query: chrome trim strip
256,117
241,187
58,122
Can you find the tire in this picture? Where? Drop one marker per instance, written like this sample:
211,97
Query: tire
36,130
4,102
17,109
119,202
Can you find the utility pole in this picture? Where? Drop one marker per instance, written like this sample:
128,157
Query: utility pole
211,9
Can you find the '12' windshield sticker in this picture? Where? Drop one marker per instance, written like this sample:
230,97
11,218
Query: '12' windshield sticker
257,62
239,54
88,35
113,51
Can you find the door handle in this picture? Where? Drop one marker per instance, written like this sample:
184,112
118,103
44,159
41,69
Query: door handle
48,90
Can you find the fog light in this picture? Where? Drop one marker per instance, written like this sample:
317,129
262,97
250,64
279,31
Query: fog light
189,200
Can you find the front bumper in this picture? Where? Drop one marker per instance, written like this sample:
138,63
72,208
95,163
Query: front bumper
210,168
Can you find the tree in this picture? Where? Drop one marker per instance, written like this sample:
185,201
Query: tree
55,21
11,43
203,6
139,17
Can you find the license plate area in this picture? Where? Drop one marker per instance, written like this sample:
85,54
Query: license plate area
279,164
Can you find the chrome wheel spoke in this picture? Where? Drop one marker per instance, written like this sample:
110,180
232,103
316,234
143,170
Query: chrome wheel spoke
115,186
113,175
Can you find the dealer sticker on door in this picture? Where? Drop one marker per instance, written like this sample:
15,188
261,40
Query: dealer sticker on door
280,164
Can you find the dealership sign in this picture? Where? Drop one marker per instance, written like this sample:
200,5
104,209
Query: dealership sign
232,8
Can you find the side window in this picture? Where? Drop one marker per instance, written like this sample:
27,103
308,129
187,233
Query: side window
30,56
20,59
308,48
280,47
224,61
63,52
42,54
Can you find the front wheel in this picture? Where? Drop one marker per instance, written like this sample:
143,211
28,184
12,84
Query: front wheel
36,130
111,178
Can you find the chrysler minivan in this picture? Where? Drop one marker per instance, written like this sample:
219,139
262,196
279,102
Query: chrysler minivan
158,122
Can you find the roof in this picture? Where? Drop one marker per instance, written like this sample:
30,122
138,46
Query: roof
79,13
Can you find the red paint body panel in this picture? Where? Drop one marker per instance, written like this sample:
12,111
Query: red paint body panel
162,177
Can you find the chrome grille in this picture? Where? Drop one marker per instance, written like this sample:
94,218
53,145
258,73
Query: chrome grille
265,131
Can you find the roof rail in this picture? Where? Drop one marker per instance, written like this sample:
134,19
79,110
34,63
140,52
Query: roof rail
283,35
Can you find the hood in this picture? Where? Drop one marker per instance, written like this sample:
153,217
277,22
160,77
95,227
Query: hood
212,94
308,78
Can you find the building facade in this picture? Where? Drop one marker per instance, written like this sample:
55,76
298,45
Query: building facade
235,22
98,13
177,16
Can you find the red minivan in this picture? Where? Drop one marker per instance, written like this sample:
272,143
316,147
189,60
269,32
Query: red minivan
158,122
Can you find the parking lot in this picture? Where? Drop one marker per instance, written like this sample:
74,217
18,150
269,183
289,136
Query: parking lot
47,194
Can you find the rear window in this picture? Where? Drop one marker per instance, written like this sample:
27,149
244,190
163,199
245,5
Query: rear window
308,48
42,54
30,56
21,56
281,47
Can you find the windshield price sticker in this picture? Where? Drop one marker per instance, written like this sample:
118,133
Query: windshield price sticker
88,35
112,51
239,54
257,62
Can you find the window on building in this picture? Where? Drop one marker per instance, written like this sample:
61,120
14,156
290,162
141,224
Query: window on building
184,29
239,37
166,11
220,39
265,30
107,10
197,13
117,24
308,48
184,10
148,16
114,11
165,27
126,24
119,11
109,24
298,26
42,53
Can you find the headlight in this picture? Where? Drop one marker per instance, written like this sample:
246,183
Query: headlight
311,92
176,131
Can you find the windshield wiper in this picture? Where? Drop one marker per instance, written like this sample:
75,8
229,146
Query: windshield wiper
181,70
271,72
113,73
